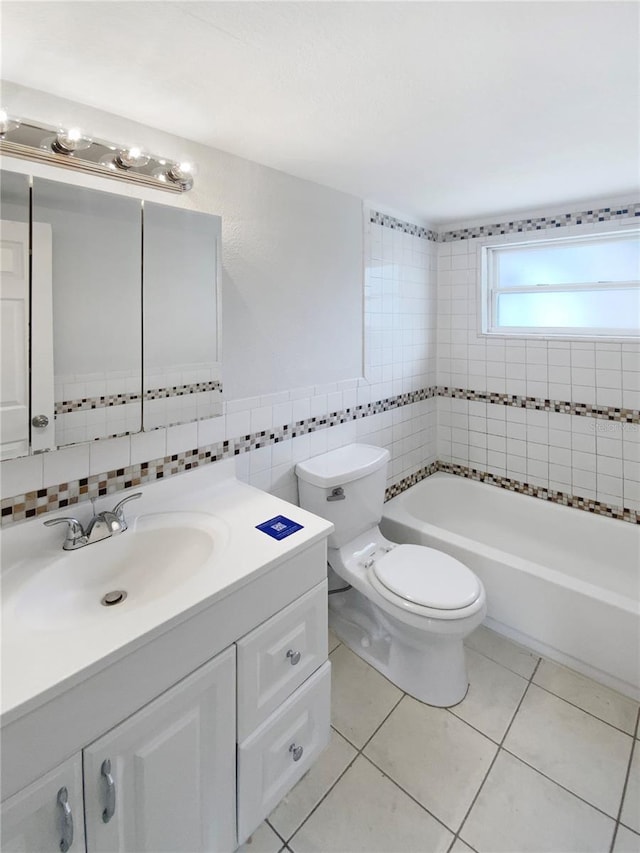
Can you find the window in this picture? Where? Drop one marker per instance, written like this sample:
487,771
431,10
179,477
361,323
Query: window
569,286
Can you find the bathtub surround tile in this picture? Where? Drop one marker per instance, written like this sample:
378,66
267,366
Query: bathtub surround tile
493,696
434,756
361,697
581,753
539,223
503,651
107,457
606,704
520,810
366,813
305,796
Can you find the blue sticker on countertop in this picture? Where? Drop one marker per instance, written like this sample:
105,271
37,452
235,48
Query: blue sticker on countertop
279,527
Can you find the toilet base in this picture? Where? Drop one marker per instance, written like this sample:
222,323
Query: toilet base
431,667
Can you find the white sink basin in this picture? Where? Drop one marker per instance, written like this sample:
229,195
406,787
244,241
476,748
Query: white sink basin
154,558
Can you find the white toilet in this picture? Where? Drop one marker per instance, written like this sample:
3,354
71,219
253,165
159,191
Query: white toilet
410,607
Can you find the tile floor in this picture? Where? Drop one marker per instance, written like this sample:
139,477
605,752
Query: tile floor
536,758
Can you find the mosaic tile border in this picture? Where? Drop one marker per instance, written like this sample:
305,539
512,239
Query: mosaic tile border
523,488
377,218
540,223
32,504
84,403
609,413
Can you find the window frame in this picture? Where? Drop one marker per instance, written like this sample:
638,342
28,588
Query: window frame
488,292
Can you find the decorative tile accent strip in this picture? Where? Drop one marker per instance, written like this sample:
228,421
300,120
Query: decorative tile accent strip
20,507
66,406
35,503
406,227
183,390
609,413
596,507
540,223
411,480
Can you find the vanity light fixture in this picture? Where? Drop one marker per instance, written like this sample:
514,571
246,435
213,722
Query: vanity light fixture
72,148
182,174
7,123
70,141
131,158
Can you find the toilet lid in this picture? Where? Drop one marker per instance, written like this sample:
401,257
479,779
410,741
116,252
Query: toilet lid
428,577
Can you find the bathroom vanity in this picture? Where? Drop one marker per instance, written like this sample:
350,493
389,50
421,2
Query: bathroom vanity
178,719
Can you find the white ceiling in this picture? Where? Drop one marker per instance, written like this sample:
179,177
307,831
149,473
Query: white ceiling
440,110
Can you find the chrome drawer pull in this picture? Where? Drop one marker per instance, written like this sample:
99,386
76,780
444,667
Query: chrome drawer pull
67,820
110,808
296,752
294,657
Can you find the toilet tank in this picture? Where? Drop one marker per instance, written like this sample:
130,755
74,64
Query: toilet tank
346,486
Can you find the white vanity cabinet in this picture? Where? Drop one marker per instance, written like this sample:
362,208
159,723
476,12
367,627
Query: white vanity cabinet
185,742
160,780
47,816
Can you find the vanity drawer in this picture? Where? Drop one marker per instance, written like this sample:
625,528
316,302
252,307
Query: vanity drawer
275,659
281,751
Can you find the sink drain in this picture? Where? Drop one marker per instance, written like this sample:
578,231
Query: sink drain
115,597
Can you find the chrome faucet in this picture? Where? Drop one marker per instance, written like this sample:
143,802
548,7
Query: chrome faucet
103,525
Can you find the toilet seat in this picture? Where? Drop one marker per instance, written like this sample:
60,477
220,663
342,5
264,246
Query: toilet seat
427,577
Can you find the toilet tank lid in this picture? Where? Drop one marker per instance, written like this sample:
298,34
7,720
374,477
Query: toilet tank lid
342,465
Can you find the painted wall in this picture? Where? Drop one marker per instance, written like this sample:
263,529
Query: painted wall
589,457
292,329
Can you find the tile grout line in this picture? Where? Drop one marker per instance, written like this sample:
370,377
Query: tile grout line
584,711
626,782
495,757
353,760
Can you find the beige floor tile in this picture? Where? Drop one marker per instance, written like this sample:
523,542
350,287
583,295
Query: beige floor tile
263,840
460,847
306,795
519,810
575,749
366,813
360,697
493,696
612,707
498,648
434,756
626,841
334,642
631,807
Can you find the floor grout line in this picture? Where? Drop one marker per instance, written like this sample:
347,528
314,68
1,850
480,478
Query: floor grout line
626,782
359,752
495,757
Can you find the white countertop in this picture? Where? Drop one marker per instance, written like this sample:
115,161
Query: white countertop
39,663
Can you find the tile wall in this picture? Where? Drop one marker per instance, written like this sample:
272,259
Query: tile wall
393,405
597,458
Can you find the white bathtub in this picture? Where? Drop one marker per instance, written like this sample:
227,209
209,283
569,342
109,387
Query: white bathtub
559,580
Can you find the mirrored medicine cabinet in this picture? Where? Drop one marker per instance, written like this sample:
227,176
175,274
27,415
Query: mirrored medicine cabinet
110,315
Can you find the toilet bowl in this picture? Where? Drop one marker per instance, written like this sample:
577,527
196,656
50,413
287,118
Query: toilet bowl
409,607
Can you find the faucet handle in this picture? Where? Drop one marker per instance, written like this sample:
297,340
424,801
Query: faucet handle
119,512
75,532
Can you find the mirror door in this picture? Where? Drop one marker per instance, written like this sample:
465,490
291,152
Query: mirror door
88,242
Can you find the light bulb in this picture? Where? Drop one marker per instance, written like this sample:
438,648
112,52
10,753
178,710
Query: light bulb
7,122
182,173
69,141
131,158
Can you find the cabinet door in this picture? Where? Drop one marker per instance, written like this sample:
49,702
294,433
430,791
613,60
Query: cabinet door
47,816
164,780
